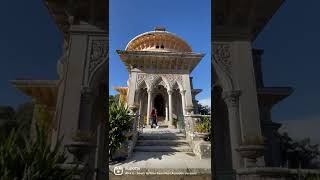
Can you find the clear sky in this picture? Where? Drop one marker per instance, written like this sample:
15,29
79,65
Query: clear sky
191,20
30,45
291,58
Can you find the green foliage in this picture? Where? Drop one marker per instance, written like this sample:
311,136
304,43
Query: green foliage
31,160
298,153
10,163
204,126
145,120
7,121
5,127
204,109
114,99
120,121
174,121
307,176
10,119
7,112
41,117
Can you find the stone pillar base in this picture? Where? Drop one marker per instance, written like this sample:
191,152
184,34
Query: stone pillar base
171,126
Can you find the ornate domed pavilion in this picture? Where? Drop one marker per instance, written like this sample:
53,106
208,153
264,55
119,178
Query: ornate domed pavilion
159,65
158,40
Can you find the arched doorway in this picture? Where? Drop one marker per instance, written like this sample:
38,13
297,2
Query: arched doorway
159,105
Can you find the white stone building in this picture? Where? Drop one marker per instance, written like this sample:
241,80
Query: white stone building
159,65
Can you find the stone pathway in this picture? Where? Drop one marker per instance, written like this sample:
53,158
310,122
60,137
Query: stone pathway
164,151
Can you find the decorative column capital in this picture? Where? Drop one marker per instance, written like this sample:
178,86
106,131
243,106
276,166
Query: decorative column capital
149,91
169,91
231,98
182,92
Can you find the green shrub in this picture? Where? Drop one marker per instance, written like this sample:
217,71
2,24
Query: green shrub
32,160
174,121
204,126
120,121
145,120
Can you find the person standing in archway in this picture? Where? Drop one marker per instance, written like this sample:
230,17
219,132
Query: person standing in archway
154,118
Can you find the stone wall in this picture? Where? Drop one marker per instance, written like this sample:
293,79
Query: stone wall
201,148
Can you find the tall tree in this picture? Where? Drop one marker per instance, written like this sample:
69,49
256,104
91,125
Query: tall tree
298,153
204,109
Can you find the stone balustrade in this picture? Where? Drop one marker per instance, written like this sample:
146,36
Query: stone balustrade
200,147
136,127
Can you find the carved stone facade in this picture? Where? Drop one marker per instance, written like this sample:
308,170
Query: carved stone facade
169,81
97,56
221,55
159,74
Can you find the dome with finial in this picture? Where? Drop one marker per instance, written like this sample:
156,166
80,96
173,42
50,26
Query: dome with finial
158,40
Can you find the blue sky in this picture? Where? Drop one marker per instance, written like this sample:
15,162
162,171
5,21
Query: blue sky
292,58
30,45
190,20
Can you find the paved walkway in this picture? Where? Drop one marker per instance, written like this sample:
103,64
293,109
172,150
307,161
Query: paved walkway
166,162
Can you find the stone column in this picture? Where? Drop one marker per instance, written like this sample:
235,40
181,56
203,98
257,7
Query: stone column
140,105
188,88
243,73
167,118
86,109
83,40
151,102
149,105
132,88
170,107
231,99
183,92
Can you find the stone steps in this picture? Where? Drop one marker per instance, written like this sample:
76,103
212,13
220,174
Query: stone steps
162,137
158,141
161,126
162,142
184,148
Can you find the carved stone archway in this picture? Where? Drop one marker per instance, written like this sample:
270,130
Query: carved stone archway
222,65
